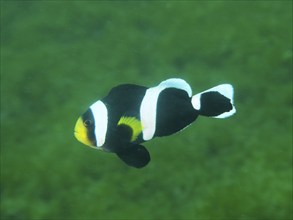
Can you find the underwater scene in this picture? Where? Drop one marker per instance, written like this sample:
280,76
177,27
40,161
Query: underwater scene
59,57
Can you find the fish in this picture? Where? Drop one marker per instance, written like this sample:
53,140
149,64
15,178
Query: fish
133,114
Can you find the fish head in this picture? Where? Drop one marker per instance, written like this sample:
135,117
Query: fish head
84,130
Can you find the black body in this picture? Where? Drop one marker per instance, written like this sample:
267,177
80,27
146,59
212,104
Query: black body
174,112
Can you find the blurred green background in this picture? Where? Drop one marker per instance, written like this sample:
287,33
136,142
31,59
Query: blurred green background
58,57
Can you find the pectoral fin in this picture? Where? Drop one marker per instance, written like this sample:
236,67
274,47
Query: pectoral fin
133,124
136,156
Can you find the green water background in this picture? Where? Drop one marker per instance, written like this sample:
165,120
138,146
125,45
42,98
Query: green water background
58,57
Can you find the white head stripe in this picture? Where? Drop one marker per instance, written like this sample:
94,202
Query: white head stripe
100,114
148,108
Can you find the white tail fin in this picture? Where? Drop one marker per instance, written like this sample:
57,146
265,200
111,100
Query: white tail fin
216,102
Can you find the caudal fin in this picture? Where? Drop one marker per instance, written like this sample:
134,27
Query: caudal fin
216,102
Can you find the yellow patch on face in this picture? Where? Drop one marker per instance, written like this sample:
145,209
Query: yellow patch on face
134,124
80,133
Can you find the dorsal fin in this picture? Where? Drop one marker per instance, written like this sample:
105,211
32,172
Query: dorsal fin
176,83
134,124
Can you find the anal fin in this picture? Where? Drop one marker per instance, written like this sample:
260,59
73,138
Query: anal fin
136,156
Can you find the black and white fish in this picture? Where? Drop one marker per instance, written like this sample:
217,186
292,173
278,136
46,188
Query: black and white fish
131,114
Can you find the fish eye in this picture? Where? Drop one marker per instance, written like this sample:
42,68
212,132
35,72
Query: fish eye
87,123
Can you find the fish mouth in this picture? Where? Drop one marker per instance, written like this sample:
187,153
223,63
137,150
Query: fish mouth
80,138
75,133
